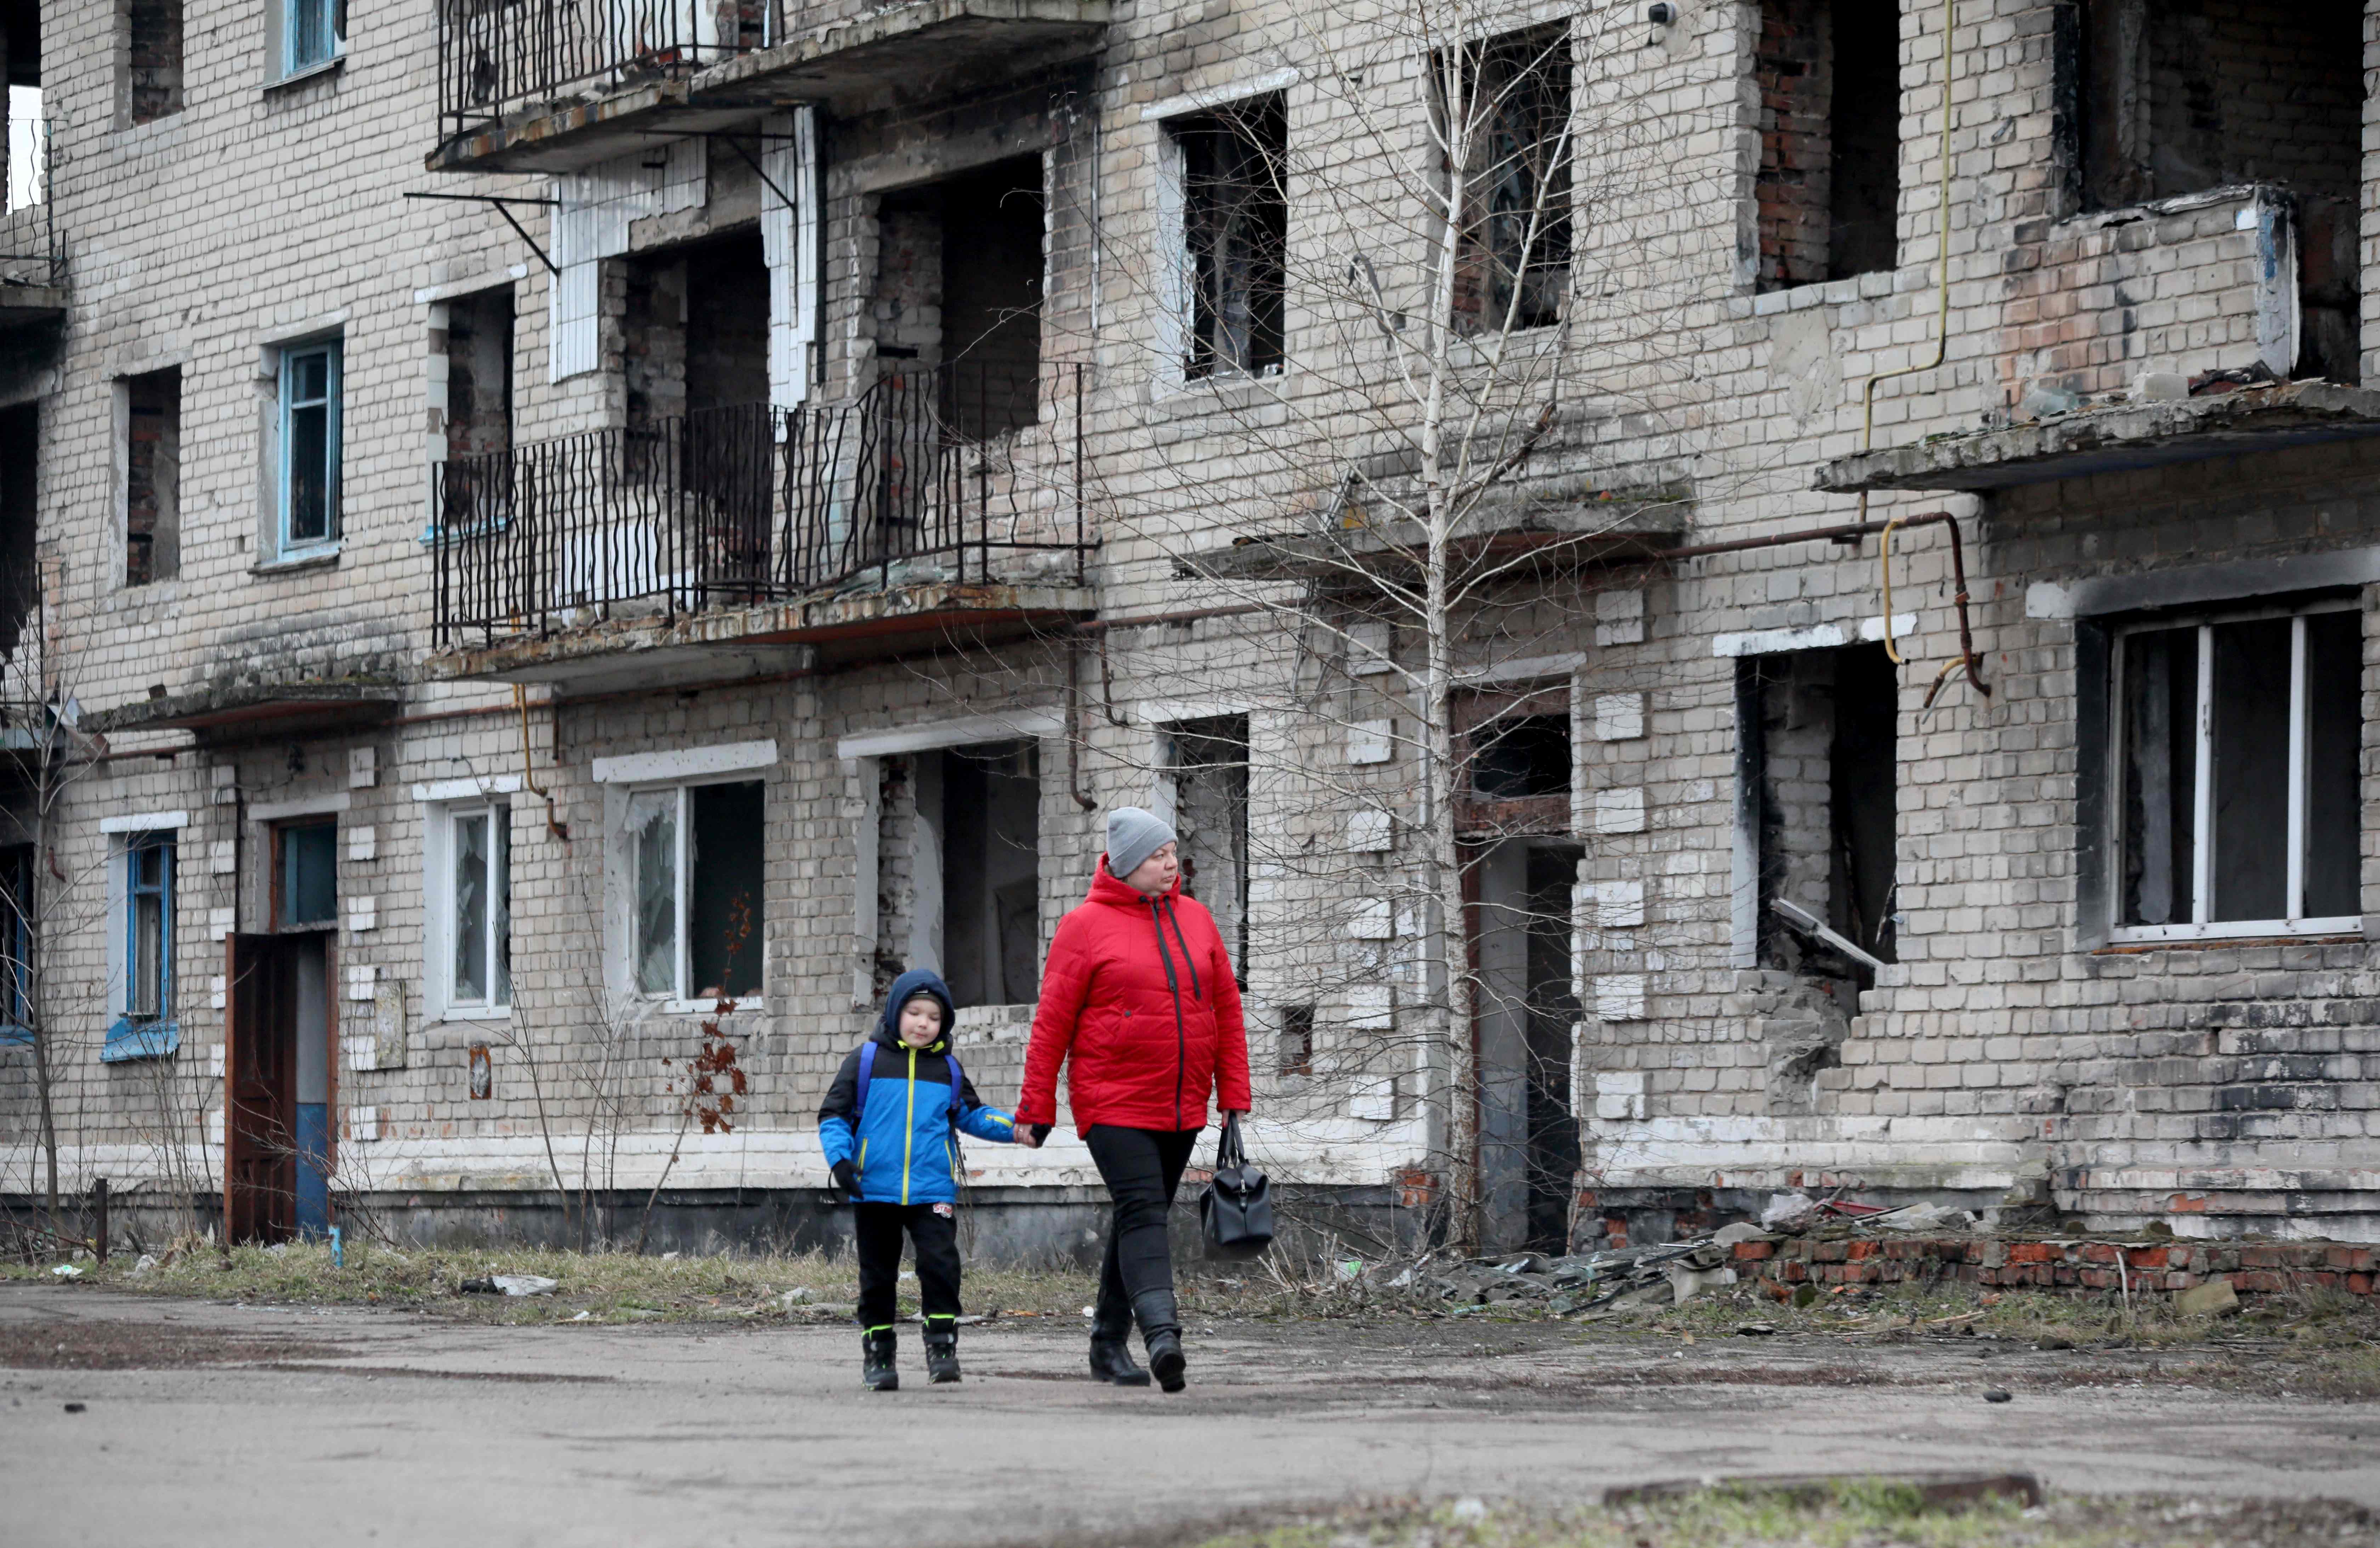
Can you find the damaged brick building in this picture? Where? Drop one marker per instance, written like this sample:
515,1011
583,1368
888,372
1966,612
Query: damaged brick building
553,533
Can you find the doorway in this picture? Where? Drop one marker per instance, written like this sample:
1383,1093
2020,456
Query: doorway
1524,1020
280,1068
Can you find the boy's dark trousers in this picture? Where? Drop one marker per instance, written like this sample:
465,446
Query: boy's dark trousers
936,1237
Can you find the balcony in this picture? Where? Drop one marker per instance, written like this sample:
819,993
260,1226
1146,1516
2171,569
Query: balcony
553,85
731,542
33,269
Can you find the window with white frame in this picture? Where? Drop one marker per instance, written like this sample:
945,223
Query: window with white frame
469,862
309,447
2238,738
697,857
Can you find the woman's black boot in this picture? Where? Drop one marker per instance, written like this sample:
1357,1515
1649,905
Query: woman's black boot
877,1372
1112,1350
1160,1333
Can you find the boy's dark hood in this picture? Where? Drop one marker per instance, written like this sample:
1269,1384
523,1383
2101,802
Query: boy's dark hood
906,987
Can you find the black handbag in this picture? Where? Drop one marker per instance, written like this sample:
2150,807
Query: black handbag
1235,1210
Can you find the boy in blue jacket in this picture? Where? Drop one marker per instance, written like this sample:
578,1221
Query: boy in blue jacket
891,1124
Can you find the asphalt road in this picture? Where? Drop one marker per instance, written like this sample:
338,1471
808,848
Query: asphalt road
256,1426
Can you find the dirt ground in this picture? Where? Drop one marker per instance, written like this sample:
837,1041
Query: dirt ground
411,1426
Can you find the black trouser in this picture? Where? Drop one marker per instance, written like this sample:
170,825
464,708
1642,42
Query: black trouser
1142,1167
936,1236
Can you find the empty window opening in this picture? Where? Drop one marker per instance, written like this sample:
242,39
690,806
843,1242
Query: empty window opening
1516,755
1235,236
959,854
698,853
1826,784
305,895
2173,97
1528,1130
958,291
152,462
694,331
20,484
1510,125
1296,1052
1211,820
479,374
153,58
1829,77
2240,797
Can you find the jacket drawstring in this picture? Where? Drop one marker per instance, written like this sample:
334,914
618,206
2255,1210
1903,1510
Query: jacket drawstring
1189,960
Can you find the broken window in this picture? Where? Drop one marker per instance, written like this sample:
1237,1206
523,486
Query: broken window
307,876
1235,236
958,291
16,919
698,855
1295,1051
959,888
1828,73
2239,799
153,58
19,487
309,447
149,926
1512,131
478,911
480,373
153,461
1822,766
1516,752
1210,821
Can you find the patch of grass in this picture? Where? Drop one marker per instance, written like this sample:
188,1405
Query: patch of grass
1847,1513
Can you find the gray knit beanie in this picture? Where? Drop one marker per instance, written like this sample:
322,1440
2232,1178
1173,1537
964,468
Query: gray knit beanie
1133,836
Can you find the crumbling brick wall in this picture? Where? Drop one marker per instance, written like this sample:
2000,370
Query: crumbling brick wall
1791,68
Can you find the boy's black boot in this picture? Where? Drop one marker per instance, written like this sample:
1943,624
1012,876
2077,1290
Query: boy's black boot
1112,1347
1160,1333
877,1372
942,1356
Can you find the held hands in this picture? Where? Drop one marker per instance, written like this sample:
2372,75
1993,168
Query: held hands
1030,1135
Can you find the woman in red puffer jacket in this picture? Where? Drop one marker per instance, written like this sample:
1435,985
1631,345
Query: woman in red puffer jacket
1139,1001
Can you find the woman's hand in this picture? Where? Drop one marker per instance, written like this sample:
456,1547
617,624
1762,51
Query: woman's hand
1027,1135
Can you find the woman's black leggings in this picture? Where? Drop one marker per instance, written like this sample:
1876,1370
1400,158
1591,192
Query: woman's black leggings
1142,1167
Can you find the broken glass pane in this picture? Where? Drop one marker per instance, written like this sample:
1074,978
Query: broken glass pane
2250,750
500,887
471,909
2160,707
723,906
2333,819
653,825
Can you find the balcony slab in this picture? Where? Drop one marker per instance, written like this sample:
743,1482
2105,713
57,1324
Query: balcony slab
257,711
1552,524
2120,439
26,307
737,644
926,45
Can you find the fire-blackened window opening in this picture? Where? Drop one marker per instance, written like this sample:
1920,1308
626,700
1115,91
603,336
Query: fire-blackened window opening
1296,1046
1826,769
1520,756
1828,73
20,485
2239,795
1235,230
1211,819
958,293
153,461
1510,117
480,373
694,361
152,58
700,913
991,834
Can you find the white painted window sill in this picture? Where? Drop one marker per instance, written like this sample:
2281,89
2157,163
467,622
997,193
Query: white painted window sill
2244,929
710,1006
473,1014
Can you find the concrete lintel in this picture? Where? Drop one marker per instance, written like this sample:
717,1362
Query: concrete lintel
2231,582
2114,439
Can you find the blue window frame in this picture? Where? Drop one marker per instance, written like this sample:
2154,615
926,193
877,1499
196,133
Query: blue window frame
309,33
309,447
17,945
146,1028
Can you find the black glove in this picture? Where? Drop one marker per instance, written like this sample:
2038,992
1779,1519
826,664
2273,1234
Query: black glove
847,1175
1040,1131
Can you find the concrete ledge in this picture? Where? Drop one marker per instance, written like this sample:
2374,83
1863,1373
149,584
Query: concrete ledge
2119,438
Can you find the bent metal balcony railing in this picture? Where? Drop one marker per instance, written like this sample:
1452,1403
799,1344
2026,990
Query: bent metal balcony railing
496,57
28,234
926,476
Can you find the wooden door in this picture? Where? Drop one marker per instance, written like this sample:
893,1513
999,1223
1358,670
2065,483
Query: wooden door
259,1091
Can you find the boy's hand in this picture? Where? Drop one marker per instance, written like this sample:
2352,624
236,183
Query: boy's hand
847,1175
1029,1135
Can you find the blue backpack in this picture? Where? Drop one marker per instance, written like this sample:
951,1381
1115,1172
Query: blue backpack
867,1073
